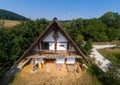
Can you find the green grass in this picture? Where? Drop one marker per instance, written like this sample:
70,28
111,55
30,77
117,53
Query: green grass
106,43
112,54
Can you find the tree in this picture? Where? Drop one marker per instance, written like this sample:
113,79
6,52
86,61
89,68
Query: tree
109,18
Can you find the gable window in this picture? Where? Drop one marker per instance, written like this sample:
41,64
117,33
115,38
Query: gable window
61,45
45,46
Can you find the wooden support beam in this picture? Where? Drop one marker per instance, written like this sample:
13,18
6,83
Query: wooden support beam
38,49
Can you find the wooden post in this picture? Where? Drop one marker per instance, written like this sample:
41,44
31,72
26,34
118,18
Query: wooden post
70,48
55,46
67,48
38,49
55,36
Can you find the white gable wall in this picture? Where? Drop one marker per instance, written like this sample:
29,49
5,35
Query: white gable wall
49,37
60,45
51,46
61,38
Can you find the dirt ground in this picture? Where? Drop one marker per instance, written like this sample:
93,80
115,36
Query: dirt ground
50,75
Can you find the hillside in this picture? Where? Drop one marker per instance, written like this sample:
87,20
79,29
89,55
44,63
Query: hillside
4,14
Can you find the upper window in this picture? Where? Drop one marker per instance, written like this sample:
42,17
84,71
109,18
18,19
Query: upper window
45,45
61,45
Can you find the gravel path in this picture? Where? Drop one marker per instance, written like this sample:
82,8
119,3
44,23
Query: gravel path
100,60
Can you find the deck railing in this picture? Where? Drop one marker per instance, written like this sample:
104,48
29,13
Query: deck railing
61,52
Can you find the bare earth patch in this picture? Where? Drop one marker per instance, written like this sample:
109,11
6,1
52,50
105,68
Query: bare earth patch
49,75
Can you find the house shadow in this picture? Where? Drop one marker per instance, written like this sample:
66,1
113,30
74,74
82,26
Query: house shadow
9,75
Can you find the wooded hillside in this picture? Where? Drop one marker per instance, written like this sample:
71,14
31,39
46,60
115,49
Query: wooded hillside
4,14
105,28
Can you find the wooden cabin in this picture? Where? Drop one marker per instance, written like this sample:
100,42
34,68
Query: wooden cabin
54,45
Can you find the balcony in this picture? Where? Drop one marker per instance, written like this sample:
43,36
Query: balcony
52,54
56,52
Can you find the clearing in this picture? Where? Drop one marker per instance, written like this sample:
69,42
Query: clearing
9,23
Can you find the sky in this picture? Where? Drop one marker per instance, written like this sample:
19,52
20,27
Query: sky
62,9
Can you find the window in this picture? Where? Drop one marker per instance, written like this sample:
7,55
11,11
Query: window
61,45
45,45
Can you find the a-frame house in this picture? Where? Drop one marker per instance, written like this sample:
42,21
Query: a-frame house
54,45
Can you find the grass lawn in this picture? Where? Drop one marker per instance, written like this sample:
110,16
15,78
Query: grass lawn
112,54
106,43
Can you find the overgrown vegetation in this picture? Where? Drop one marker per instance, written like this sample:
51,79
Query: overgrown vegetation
105,28
14,41
112,77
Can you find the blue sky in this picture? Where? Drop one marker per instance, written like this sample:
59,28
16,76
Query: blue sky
62,9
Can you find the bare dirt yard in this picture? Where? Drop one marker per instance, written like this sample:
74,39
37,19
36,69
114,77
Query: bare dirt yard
49,75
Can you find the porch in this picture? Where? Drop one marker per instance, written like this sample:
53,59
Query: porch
59,64
51,66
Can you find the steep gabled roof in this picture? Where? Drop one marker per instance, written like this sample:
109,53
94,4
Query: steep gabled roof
48,29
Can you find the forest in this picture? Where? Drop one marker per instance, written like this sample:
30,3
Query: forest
4,14
15,40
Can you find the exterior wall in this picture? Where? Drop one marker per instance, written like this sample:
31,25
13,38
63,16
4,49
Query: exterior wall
70,61
51,46
61,38
38,60
62,42
60,61
61,46
49,37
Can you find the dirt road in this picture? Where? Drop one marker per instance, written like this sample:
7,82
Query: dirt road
99,59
